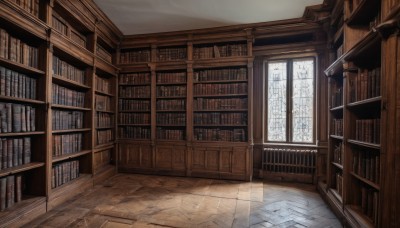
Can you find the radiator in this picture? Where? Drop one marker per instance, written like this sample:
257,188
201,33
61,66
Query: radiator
289,164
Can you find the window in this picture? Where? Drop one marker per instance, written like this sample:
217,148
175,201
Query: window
290,100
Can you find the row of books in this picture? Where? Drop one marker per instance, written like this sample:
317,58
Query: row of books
67,144
339,184
63,120
179,104
104,119
103,53
103,85
64,172
170,54
15,50
171,77
135,56
134,132
135,92
17,118
103,103
30,6
134,105
134,118
16,84
337,98
368,200
218,118
78,38
62,26
104,136
134,78
217,51
337,127
59,24
217,134
171,119
171,91
368,130
220,104
10,191
64,96
68,71
230,74
367,84
338,153
170,134
366,164
216,89
15,152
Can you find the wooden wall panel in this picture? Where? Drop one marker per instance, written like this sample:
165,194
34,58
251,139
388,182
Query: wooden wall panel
135,155
170,157
239,160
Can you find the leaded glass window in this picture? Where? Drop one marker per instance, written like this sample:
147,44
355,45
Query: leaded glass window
277,84
290,100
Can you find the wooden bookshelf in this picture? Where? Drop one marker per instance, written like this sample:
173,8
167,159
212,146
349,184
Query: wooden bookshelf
43,56
364,150
172,144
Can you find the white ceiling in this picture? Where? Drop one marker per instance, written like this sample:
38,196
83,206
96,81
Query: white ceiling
153,16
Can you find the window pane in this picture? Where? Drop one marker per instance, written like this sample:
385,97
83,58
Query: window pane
303,99
277,75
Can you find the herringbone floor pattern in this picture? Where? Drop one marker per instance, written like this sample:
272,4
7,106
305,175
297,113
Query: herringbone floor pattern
128,200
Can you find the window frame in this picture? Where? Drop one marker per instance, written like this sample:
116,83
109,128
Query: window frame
289,101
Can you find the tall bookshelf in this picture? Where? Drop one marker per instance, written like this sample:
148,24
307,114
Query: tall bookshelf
198,110
357,107
22,102
50,56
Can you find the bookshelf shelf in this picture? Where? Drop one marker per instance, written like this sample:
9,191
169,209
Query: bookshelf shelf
222,95
134,98
134,85
375,101
171,110
21,100
138,124
366,181
221,110
69,156
68,49
336,137
220,125
104,93
69,83
69,107
170,125
104,111
133,111
104,128
104,146
171,83
364,144
337,109
83,177
21,168
336,67
219,82
369,44
337,165
71,130
336,194
171,97
17,134
20,67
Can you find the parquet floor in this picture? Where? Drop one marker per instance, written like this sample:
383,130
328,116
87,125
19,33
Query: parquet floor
130,200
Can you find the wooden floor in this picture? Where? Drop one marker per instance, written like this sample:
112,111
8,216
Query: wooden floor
128,200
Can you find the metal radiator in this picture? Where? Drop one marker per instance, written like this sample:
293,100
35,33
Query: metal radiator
289,164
